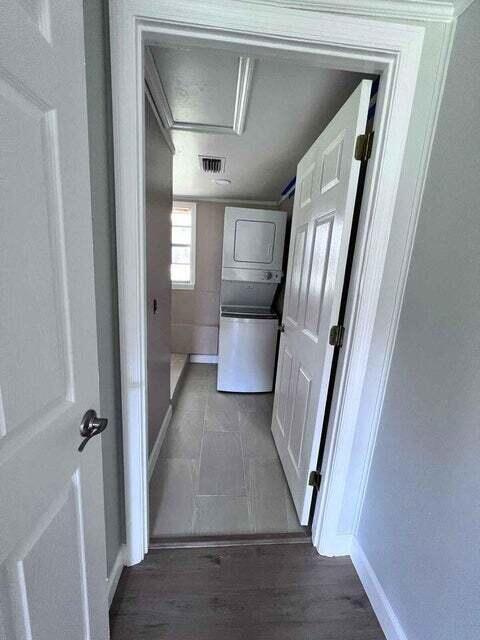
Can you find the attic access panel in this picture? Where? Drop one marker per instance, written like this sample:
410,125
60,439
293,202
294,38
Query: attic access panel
200,90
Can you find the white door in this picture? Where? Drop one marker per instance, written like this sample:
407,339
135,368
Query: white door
52,532
325,192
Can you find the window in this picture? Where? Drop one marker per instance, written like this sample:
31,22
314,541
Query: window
182,270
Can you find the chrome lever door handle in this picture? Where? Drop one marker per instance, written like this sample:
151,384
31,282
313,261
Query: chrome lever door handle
91,426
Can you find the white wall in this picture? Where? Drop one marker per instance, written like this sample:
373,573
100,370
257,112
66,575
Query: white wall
420,525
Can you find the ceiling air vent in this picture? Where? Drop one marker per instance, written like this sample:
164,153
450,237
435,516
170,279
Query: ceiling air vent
212,164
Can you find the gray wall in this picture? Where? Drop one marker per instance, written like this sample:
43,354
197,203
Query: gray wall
420,526
158,194
101,170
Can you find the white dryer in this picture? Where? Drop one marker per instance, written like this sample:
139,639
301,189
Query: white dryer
253,243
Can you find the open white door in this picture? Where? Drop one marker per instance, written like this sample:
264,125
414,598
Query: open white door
326,186
52,531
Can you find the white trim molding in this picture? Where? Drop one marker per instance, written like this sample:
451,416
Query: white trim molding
191,207
198,358
427,10
374,399
162,432
231,201
384,611
115,573
378,46
242,97
164,131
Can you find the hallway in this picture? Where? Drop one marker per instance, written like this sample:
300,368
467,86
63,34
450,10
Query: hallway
218,472
270,592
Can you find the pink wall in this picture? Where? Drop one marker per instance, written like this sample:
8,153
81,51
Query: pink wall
195,313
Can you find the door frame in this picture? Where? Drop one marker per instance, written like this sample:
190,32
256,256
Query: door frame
372,44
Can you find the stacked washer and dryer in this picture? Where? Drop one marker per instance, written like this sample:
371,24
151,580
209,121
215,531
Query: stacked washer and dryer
253,245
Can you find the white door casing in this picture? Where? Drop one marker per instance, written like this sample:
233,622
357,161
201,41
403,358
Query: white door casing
52,531
370,44
326,186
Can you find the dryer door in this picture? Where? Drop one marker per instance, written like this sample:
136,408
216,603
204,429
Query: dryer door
253,239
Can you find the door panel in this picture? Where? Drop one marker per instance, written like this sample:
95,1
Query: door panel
52,537
322,233
301,395
331,164
323,209
36,270
281,407
56,541
305,186
294,289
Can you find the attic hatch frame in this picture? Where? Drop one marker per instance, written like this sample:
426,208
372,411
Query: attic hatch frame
343,41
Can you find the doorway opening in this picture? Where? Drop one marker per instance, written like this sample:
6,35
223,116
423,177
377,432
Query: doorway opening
236,125
363,46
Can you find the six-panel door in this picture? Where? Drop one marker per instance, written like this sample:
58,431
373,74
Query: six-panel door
52,536
325,192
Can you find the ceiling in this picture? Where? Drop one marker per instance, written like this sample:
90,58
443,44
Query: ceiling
207,97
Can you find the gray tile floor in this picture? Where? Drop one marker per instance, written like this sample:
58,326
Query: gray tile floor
218,470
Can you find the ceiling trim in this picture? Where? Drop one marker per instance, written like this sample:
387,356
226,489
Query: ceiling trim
431,10
242,98
165,132
258,203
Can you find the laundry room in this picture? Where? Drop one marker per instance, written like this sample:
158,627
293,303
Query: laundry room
225,132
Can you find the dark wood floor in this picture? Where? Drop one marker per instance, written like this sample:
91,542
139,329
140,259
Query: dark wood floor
272,592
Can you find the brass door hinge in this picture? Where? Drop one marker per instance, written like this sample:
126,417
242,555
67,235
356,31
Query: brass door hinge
363,146
336,335
315,479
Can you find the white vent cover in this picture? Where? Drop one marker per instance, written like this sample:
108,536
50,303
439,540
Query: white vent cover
212,164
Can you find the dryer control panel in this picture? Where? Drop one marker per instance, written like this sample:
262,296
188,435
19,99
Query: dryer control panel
251,275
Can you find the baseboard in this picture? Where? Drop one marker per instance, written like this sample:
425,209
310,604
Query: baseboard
153,457
203,359
339,545
178,386
115,573
378,598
